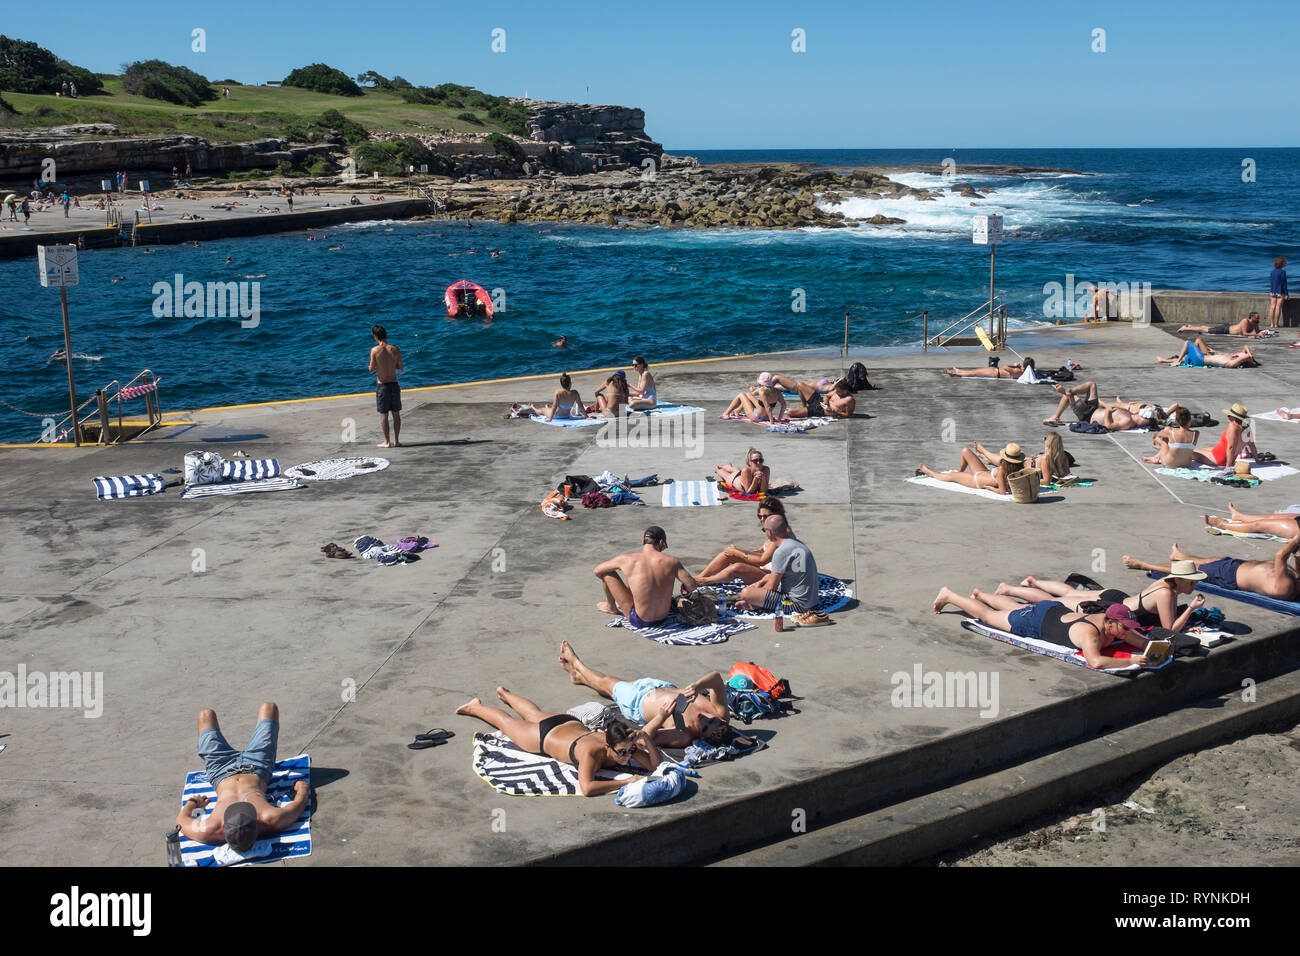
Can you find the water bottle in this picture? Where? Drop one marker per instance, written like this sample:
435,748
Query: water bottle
173,841
779,622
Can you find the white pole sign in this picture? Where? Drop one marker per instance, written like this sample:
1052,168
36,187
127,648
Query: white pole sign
58,265
986,230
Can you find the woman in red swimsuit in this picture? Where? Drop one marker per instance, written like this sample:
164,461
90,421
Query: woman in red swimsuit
1231,443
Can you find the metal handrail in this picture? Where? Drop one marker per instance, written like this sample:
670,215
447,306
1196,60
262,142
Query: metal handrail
101,398
972,318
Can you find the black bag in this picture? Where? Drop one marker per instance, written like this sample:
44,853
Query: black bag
856,378
579,485
1063,374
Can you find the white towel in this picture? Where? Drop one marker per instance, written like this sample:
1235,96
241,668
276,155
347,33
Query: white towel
953,486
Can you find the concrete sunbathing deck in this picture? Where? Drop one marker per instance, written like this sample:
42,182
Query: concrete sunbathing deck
111,587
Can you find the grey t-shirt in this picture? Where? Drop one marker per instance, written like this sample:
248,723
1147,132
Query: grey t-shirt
798,570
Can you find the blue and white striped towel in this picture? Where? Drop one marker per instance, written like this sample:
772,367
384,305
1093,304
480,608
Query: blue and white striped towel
247,469
224,488
687,494
296,841
127,486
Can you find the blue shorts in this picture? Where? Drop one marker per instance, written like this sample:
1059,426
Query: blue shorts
221,760
629,696
1222,573
1195,357
1028,621
637,621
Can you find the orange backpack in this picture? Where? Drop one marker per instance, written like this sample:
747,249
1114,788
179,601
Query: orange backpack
763,678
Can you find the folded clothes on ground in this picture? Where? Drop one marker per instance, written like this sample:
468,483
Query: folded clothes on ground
371,547
296,841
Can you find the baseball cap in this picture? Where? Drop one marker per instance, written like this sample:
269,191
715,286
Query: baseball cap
1121,613
241,826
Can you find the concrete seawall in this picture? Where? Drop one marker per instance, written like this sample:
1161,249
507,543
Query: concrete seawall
360,657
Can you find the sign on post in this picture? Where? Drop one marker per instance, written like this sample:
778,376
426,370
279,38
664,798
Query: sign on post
58,265
986,230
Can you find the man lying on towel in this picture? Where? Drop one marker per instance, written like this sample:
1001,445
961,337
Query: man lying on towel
240,779
701,709
821,398
646,596
1278,579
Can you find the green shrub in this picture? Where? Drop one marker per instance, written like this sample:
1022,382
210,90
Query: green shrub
334,121
318,167
469,118
163,81
392,158
28,68
320,78
7,108
505,146
44,110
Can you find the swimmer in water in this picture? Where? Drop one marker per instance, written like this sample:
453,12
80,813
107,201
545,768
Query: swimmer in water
229,259
561,342
58,356
117,280
496,253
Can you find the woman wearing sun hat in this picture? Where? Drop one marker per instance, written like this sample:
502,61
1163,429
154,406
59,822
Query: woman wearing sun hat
973,472
1157,606
1232,442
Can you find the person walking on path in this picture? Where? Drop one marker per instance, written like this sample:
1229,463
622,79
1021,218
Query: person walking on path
386,362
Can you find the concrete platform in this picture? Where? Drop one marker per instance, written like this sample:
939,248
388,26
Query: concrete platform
113,587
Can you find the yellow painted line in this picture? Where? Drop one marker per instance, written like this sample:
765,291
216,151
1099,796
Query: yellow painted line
494,381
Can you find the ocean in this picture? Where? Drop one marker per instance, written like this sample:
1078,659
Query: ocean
1176,218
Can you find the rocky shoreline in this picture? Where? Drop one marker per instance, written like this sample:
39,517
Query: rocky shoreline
685,194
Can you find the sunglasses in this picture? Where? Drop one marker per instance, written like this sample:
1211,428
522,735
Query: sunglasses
756,461
625,754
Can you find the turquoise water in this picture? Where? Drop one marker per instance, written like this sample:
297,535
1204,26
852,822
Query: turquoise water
1173,218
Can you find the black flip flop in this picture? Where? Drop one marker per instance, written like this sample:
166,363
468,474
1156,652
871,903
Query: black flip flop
437,734
424,744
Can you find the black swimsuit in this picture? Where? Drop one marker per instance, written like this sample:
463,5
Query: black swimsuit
544,727
1145,616
1058,631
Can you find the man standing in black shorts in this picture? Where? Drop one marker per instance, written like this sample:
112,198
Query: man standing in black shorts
386,362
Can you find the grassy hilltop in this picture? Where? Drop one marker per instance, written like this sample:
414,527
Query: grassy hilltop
252,112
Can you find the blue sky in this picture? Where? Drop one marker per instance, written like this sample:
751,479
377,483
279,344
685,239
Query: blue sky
724,75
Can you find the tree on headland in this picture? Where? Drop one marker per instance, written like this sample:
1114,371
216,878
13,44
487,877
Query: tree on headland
320,78
158,80
28,68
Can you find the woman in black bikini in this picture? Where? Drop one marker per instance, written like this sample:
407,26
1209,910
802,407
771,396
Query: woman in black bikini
1052,621
1156,606
991,371
750,480
567,740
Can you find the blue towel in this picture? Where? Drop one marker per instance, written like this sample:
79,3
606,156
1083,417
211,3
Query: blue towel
296,841
1245,597
248,469
127,486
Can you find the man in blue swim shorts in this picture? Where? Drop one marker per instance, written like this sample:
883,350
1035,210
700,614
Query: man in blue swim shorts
1278,579
699,709
240,778
639,584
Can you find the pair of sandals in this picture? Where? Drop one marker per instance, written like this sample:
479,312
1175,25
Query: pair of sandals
433,738
812,619
332,550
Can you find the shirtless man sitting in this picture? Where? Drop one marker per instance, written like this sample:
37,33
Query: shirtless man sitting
705,714
1279,578
240,779
1198,355
639,584
1249,327
833,399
